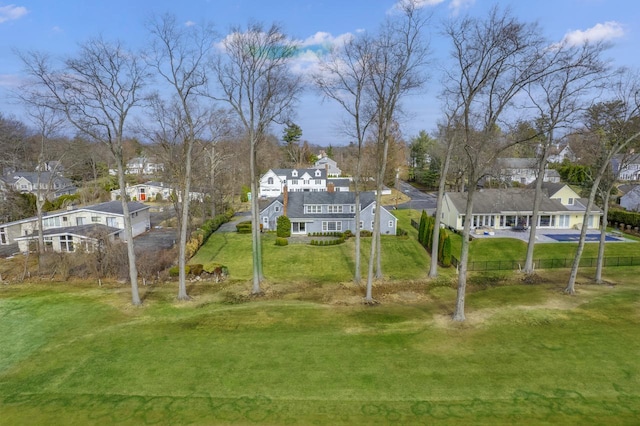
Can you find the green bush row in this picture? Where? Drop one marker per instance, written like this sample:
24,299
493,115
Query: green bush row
623,216
202,234
327,242
327,234
425,237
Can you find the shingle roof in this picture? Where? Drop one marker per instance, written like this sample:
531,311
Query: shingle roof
297,201
514,200
312,172
115,207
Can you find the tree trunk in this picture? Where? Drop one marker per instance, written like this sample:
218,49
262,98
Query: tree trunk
571,289
435,242
128,234
184,225
357,275
458,314
255,222
603,237
533,226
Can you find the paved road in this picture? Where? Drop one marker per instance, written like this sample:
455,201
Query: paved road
419,200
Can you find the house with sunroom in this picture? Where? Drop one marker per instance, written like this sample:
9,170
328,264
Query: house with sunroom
68,229
326,212
560,208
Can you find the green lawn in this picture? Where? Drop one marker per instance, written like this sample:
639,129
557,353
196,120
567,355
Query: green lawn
76,354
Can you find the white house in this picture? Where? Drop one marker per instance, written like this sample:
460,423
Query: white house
141,166
273,182
66,229
326,212
627,168
560,152
560,208
521,170
149,191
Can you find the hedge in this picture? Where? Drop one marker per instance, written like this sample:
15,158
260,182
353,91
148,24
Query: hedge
623,216
202,234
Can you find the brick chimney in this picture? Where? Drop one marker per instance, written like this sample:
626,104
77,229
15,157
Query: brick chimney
285,197
331,187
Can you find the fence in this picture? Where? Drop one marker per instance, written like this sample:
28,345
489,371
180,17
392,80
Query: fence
585,262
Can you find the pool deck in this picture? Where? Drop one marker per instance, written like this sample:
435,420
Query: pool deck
541,235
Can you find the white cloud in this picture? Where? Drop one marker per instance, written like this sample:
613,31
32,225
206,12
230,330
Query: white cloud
189,23
11,12
10,80
599,32
457,6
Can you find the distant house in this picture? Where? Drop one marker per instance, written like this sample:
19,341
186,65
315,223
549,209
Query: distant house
149,191
141,166
328,164
560,208
521,170
51,185
631,199
67,229
627,169
560,152
326,212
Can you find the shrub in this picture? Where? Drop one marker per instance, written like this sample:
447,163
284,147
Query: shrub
174,271
348,233
244,196
244,227
283,228
196,269
158,197
280,241
401,232
365,233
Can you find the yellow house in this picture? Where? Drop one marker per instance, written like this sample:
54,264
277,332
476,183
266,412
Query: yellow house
560,208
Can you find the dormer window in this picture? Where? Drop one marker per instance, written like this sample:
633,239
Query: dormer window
294,173
270,181
318,173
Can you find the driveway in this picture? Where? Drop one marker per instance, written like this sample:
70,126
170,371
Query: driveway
231,225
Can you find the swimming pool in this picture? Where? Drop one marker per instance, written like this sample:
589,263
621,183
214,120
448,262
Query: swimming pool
576,237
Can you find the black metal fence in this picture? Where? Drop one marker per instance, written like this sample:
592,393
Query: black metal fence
585,262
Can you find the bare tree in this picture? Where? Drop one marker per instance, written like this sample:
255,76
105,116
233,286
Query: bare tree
449,134
343,78
494,59
256,81
624,110
179,56
558,96
96,90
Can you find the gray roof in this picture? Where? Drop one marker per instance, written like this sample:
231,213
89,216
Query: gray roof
514,200
297,201
339,182
88,231
312,172
551,188
115,207
44,177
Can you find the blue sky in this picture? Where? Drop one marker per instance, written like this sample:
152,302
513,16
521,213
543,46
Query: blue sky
58,26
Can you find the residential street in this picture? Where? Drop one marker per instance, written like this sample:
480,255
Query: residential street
419,200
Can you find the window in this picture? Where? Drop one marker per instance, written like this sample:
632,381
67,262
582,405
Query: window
335,209
570,201
65,219
361,225
3,236
270,181
390,224
294,181
352,209
48,243
306,181
51,222
66,243
79,221
318,181
313,208
111,221
294,173
329,226
95,219
318,173
265,220
372,225
277,209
